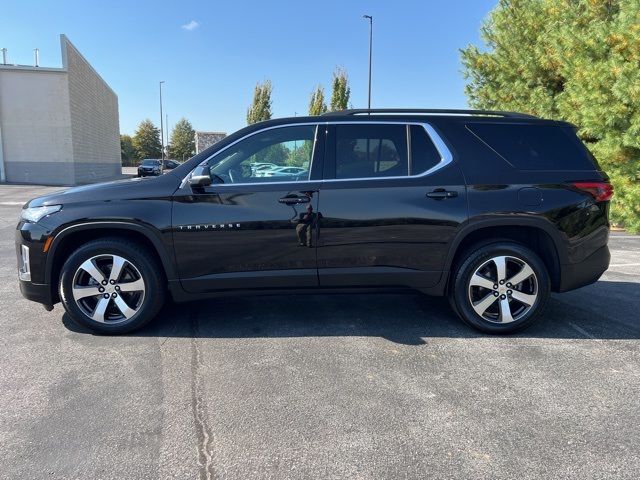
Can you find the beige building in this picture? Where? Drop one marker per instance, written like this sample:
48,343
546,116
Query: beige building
205,139
58,126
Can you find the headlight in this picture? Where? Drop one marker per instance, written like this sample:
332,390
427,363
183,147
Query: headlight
35,214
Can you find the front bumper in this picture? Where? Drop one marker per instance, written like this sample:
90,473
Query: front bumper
37,292
31,275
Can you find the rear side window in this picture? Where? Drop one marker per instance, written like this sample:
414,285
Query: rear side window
424,154
536,147
371,151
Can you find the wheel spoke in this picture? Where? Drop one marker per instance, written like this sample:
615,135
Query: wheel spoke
521,276
501,267
101,307
123,307
135,286
83,292
91,268
524,297
481,306
480,281
116,269
505,311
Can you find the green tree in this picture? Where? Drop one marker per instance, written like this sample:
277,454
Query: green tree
341,90
127,152
575,60
146,140
317,105
260,108
300,154
183,140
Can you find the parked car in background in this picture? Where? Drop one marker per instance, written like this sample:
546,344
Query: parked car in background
262,167
151,166
281,172
494,210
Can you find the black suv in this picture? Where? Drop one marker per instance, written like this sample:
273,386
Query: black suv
493,209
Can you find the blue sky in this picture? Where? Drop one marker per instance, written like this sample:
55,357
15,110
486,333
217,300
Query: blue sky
212,53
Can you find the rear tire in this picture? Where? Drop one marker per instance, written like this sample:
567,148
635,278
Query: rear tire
112,286
500,288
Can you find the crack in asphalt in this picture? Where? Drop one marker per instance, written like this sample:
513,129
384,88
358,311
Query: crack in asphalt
203,430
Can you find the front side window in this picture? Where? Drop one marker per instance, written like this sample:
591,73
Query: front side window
371,151
275,155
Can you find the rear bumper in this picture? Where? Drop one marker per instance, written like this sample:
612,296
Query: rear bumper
585,272
37,292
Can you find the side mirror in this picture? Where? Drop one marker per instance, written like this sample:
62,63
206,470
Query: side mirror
201,177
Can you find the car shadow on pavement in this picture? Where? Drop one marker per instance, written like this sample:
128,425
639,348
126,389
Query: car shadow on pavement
404,318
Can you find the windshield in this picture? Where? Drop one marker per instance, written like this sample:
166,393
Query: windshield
150,163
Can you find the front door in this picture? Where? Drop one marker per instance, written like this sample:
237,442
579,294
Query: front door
391,203
254,227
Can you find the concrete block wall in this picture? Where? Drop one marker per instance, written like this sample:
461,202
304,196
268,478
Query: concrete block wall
34,119
95,132
58,126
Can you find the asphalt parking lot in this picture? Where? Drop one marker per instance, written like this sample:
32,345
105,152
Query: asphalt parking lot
342,386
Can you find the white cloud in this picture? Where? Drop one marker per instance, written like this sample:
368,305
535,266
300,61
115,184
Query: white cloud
192,25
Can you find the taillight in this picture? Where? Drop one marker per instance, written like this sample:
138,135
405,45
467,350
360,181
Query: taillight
600,191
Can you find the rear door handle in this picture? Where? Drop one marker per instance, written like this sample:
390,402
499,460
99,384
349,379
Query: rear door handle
441,194
294,200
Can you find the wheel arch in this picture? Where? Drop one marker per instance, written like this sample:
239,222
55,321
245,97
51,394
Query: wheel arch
70,238
535,233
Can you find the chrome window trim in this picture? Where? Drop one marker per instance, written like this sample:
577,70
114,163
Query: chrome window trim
446,157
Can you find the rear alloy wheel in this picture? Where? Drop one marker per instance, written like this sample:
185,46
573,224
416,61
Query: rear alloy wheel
500,288
111,286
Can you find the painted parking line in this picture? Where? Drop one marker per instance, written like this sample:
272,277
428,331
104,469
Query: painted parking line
7,204
624,265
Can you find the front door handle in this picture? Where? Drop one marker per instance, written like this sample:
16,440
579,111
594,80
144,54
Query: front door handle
441,194
294,200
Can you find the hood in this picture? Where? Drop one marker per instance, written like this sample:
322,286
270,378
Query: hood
129,188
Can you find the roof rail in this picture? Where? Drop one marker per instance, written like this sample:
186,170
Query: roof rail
430,111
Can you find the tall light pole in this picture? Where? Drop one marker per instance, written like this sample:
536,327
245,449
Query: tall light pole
166,126
370,18
161,131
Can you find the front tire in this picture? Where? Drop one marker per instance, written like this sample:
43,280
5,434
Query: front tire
112,286
500,288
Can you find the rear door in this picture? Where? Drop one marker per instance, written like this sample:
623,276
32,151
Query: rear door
247,231
391,201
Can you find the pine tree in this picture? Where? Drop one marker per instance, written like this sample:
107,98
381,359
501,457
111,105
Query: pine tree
317,105
260,108
183,141
341,90
574,60
146,140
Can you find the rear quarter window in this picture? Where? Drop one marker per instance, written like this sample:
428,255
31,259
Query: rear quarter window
536,147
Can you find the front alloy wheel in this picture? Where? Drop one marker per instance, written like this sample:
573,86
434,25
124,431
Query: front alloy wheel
108,288
112,285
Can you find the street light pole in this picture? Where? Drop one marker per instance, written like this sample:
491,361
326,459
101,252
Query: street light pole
370,18
161,131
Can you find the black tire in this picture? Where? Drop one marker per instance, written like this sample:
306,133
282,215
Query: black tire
460,292
139,261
